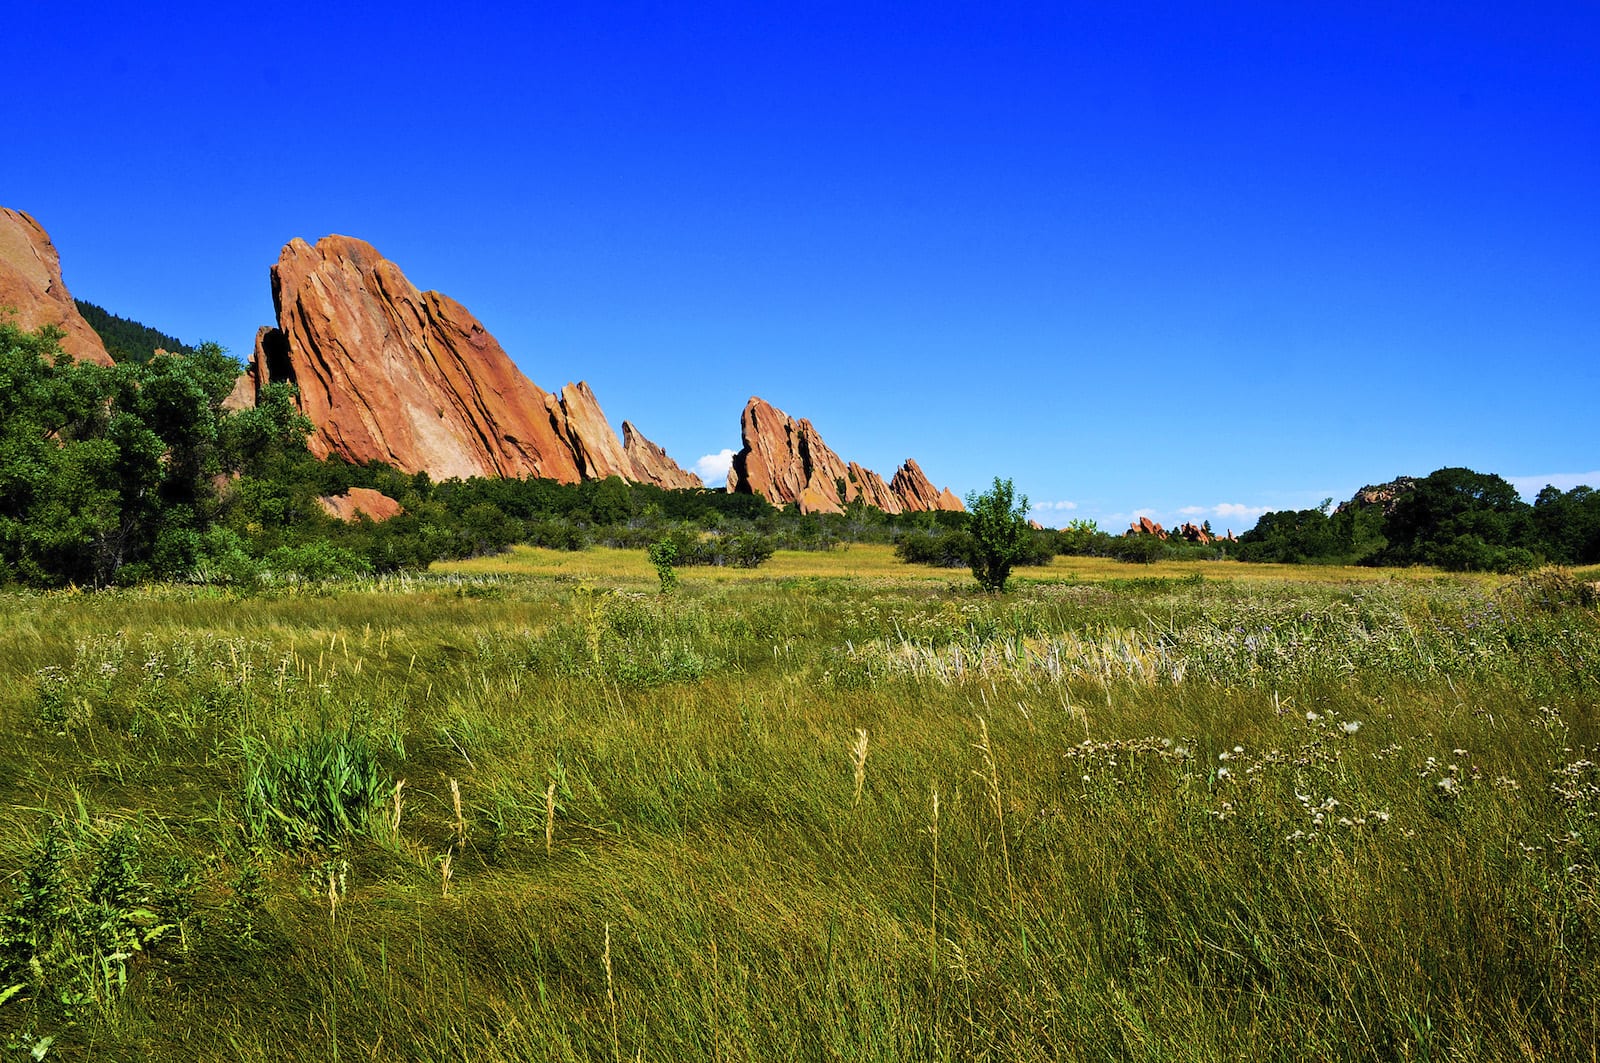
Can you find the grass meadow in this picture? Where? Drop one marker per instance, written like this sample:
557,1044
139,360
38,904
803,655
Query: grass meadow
529,808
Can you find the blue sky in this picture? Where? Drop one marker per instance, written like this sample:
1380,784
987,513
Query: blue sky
1190,260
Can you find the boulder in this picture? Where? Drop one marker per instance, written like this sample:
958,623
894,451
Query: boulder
651,465
375,504
1384,495
31,285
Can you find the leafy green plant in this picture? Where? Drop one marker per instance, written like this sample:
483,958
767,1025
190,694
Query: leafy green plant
663,554
71,940
999,528
315,789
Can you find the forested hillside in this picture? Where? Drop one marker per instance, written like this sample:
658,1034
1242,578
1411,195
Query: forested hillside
129,341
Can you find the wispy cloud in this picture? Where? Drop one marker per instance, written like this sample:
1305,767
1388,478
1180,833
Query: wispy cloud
1054,507
1236,509
1530,486
713,468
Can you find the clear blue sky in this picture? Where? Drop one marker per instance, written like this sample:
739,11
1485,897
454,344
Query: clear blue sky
1155,258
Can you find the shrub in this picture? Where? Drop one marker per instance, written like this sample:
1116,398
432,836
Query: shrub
1000,533
943,548
662,554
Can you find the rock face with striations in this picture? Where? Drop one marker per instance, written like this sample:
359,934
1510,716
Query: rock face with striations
786,461
651,465
30,284
917,492
389,373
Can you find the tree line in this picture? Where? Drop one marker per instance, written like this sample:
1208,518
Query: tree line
133,472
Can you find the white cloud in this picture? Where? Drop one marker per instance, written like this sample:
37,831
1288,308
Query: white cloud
1192,511
1054,507
1235,509
1530,486
713,468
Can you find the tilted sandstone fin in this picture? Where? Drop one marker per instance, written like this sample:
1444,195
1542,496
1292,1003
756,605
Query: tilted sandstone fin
389,373
651,465
31,285
786,461
917,493
579,422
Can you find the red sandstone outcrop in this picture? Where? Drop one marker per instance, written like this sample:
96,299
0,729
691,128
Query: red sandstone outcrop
389,373
868,486
917,493
31,285
651,465
786,461
579,422
374,504
1146,526
1385,495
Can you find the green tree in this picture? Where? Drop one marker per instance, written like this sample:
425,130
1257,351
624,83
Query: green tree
1461,520
999,528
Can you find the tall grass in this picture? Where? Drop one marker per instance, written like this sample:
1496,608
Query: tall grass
1153,819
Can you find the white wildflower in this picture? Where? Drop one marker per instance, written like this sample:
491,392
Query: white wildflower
1350,727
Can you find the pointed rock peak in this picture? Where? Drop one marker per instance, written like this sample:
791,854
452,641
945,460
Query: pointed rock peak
917,493
579,421
786,461
390,373
651,465
31,285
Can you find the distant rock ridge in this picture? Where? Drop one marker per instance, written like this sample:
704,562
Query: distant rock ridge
31,285
1384,495
389,373
786,462
1194,533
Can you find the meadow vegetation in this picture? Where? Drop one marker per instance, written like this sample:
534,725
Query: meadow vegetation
529,808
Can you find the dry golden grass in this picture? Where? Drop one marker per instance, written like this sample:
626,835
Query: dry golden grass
878,562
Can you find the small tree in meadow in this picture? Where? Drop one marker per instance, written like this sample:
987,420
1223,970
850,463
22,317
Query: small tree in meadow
663,555
999,527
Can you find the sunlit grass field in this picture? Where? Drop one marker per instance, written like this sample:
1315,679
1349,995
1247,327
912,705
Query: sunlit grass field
873,561
529,808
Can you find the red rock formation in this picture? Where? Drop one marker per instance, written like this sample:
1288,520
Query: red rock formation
917,493
786,461
863,483
1146,526
651,465
1195,533
30,284
579,422
374,504
389,373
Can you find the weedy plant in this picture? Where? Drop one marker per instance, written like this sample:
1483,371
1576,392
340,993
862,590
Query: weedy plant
316,788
